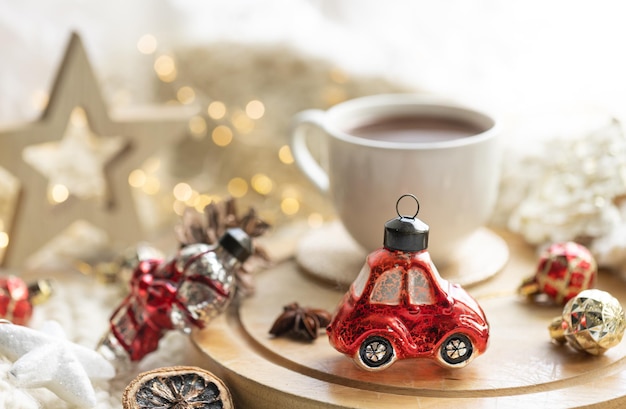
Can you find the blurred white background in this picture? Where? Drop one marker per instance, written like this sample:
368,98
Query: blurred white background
519,58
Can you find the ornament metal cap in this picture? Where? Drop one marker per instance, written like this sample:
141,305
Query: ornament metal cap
40,291
406,233
238,243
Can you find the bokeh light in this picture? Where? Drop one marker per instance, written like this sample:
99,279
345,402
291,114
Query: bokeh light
222,135
147,44
242,122
179,207
284,155
261,183
182,191
290,206
186,95
255,109
216,110
137,178
197,127
315,220
165,68
202,202
237,187
152,186
59,193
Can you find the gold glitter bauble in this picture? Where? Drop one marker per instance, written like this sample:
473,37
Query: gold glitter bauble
593,322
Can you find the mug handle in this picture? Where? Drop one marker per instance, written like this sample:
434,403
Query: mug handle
302,156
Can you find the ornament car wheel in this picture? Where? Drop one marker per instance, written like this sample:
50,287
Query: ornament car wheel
376,353
456,351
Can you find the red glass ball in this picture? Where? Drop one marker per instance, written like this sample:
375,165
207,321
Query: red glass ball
15,304
564,270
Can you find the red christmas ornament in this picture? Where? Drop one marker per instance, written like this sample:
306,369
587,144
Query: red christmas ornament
399,306
183,293
18,298
564,270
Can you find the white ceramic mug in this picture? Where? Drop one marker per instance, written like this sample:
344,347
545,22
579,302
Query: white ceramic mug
456,181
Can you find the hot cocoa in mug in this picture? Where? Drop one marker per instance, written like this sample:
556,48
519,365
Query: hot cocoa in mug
377,148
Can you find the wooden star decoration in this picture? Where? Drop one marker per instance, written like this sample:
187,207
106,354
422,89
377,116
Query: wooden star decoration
36,221
77,161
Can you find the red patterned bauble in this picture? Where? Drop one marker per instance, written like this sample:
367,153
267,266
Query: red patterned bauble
564,270
17,298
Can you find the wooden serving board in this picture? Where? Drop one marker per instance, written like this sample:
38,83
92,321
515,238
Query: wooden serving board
521,368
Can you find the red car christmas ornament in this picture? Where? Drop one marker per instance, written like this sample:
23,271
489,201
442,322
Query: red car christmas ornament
399,307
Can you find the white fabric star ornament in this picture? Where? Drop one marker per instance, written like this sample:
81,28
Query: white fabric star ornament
47,359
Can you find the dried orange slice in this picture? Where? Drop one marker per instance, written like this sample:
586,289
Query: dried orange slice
177,387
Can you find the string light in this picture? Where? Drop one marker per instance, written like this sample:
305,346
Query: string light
237,187
165,68
290,206
242,122
197,127
147,44
152,186
284,155
202,202
255,109
216,110
222,135
261,183
315,220
182,192
179,207
59,194
186,95
193,199
137,178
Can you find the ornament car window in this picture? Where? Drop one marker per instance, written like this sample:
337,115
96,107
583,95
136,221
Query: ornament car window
420,289
361,281
387,288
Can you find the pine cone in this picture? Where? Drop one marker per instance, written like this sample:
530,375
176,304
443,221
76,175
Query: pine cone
209,226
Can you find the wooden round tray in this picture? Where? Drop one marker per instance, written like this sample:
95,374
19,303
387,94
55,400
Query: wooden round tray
521,368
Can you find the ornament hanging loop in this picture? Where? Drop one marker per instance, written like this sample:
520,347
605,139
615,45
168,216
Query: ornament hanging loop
416,202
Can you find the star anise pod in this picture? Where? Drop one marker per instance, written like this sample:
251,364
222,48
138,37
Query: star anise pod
209,226
301,322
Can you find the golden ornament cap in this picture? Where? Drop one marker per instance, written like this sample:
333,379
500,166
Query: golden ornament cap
592,322
40,291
